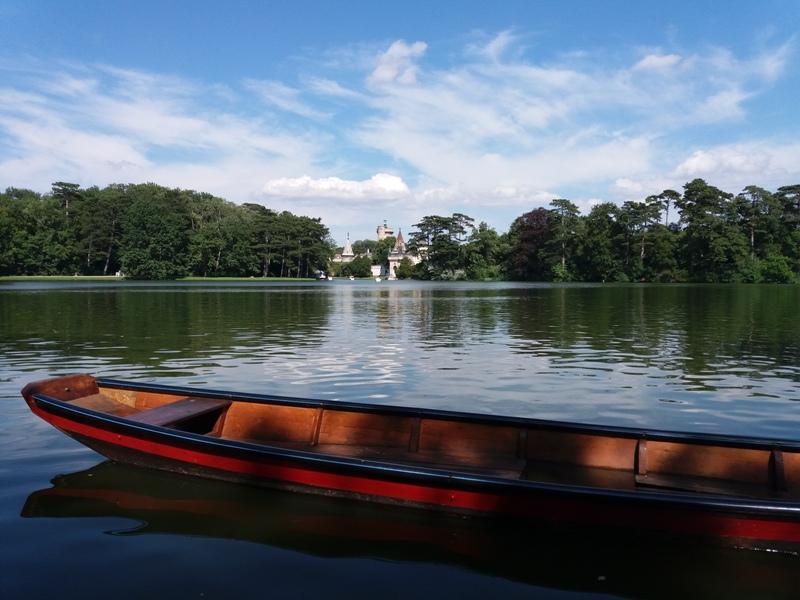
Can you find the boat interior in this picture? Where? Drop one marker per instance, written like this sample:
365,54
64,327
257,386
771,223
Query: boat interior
510,451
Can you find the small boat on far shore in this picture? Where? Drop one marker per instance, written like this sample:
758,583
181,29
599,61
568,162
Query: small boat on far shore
732,487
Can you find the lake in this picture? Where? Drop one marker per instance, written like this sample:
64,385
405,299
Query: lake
721,359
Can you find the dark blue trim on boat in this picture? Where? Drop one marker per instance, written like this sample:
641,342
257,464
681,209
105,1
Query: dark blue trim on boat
400,472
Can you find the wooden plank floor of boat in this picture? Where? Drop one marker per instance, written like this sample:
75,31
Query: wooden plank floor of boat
105,404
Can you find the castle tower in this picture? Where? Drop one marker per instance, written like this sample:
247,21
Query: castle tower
400,244
384,231
347,252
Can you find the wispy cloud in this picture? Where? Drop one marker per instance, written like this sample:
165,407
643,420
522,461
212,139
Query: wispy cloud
283,97
657,62
99,124
397,64
493,128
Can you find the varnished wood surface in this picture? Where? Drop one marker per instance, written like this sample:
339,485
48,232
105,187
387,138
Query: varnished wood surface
105,404
178,411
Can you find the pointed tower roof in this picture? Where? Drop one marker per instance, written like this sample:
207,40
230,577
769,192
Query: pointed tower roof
399,244
348,249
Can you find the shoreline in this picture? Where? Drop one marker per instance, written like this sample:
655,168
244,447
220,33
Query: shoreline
121,279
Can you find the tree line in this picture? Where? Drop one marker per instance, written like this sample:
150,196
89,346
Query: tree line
753,236
148,231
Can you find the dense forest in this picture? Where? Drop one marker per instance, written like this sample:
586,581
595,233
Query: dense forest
151,232
751,237
147,231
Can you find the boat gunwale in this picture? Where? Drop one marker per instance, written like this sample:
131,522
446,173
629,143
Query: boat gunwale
776,508
661,435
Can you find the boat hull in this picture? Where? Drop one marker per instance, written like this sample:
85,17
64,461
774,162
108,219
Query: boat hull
763,525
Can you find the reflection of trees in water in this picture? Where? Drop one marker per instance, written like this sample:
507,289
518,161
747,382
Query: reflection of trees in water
455,318
692,332
695,329
148,326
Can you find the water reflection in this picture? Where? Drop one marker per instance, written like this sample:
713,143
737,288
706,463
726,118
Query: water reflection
710,358
598,561
704,358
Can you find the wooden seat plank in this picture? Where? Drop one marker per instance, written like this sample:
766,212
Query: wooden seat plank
178,411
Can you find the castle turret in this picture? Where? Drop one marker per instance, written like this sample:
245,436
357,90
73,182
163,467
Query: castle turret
348,249
399,244
384,231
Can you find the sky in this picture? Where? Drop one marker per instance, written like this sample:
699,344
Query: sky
360,112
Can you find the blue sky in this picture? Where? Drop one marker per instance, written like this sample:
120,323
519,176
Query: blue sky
363,111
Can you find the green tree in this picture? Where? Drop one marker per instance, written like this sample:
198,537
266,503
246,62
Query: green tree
6,235
381,250
566,235
485,253
758,214
405,270
439,240
714,247
666,199
263,235
360,266
788,197
156,234
597,259
96,223
41,242
366,247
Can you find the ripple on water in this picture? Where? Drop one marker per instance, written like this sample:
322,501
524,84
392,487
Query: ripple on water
672,356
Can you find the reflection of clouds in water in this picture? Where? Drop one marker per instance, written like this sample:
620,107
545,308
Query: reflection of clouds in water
668,357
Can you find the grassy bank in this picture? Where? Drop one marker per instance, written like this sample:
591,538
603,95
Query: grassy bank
247,279
60,278
115,278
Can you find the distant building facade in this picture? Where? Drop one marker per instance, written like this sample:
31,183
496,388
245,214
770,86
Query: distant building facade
346,255
397,254
384,231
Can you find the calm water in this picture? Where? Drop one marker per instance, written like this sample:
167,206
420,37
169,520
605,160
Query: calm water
703,358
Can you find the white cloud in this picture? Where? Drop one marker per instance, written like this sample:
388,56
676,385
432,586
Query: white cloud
397,63
731,167
380,186
628,185
657,62
743,160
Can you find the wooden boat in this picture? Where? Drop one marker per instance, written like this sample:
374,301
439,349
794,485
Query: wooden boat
733,487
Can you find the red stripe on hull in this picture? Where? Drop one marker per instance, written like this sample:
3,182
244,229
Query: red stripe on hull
530,503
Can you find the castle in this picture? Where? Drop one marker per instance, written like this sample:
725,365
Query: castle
397,254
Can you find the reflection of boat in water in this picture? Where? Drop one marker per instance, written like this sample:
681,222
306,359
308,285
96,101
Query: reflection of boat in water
588,560
692,484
